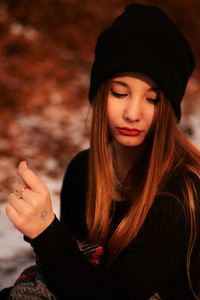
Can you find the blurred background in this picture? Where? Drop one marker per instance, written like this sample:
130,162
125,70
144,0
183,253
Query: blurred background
46,51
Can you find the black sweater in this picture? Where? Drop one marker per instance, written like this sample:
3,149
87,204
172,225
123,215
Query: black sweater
153,262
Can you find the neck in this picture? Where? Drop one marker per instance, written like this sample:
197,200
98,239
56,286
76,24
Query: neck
125,158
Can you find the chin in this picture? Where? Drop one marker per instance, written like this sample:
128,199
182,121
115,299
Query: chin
129,142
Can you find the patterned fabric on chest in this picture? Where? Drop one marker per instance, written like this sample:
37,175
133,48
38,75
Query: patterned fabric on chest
93,252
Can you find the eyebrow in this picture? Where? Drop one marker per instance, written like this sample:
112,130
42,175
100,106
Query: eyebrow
153,88
120,82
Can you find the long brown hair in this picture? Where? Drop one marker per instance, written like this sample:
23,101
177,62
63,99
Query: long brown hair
171,152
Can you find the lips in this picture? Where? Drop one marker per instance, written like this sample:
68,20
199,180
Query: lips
129,132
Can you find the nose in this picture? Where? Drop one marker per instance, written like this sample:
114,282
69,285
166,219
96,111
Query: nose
132,111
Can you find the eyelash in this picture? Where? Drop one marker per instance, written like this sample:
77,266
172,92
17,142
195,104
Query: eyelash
120,96
153,101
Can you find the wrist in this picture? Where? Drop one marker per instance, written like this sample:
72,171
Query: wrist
45,223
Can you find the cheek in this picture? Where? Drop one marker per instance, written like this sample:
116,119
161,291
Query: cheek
112,112
110,121
152,116
109,116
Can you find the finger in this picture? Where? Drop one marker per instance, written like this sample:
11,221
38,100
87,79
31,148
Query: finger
19,191
30,178
19,187
19,205
30,196
11,213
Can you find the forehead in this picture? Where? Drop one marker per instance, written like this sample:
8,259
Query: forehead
129,78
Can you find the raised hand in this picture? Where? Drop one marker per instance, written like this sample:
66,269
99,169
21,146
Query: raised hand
29,207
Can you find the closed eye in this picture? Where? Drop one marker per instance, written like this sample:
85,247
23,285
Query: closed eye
118,95
153,100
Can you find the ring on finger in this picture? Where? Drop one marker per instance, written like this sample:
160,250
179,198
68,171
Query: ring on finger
18,192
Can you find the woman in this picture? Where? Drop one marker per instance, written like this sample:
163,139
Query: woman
130,207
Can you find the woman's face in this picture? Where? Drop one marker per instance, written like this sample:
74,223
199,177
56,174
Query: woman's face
131,108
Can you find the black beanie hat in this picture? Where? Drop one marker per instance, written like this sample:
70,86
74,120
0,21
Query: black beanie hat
143,39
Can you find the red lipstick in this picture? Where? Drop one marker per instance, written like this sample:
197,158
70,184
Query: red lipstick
129,132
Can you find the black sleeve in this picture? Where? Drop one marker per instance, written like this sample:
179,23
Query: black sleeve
154,262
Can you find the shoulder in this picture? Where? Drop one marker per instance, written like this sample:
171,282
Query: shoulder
79,159
176,198
78,164
73,195
76,173
181,183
